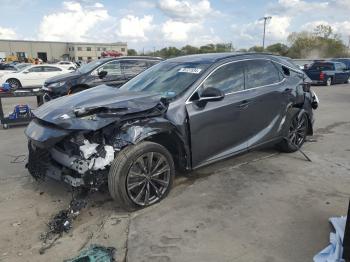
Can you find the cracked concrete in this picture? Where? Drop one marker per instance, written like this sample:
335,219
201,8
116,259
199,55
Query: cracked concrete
261,206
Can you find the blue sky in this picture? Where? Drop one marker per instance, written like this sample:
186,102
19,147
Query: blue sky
158,23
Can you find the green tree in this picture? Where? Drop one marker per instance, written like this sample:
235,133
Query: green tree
321,43
189,50
258,49
278,48
132,52
210,48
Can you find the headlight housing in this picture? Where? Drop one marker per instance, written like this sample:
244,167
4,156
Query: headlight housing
49,87
58,84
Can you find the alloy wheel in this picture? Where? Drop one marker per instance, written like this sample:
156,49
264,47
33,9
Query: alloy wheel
148,178
14,84
297,131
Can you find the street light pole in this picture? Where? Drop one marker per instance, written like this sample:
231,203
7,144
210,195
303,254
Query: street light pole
266,19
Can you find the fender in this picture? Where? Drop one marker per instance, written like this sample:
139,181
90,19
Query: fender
158,130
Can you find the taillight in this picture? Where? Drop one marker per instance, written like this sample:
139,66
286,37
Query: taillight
321,76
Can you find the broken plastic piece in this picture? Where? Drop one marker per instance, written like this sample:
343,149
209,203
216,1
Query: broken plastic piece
95,253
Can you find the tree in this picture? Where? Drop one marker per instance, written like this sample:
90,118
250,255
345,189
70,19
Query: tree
189,50
258,49
210,48
132,52
321,43
278,48
323,31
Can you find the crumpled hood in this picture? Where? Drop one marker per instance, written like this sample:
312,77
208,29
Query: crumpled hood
97,107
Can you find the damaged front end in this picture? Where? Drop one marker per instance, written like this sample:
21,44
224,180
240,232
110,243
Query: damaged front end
77,146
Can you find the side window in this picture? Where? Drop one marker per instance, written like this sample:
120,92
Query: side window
152,63
133,67
51,69
261,73
112,68
228,78
36,69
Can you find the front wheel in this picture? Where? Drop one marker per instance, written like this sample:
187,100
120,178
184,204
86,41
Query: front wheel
296,134
14,83
141,175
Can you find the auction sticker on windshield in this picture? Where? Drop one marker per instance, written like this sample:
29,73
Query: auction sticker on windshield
190,70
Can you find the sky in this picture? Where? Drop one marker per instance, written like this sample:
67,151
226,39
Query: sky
149,24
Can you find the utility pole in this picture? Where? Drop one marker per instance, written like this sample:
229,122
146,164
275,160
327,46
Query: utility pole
266,19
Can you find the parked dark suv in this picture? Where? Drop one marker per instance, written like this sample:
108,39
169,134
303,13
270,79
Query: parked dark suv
182,113
328,73
109,71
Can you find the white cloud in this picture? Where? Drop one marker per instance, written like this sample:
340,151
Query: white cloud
183,10
135,28
277,30
299,6
7,33
177,31
74,23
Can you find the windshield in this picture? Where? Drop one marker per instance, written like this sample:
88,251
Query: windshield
21,67
90,66
167,78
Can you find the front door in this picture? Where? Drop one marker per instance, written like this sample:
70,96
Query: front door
114,75
220,128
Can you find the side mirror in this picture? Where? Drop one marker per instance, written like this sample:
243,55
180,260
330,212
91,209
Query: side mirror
102,74
211,94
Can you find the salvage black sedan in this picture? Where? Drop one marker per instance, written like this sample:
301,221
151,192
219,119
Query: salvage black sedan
180,114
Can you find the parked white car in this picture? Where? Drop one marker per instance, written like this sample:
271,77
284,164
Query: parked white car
33,76
67,64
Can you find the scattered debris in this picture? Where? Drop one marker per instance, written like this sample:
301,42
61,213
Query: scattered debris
95,253
61,223
17,159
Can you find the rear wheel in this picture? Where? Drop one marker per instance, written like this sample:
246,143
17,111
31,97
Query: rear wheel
14,83
141,175
296,134
329,81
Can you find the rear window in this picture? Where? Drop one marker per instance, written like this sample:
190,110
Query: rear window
322,66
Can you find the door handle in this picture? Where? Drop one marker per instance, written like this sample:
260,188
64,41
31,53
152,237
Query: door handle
244,104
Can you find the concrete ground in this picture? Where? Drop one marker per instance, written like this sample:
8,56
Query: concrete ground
261,206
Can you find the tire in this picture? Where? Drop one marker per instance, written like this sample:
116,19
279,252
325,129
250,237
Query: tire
329,81
14,83
130,191
347,80
296,134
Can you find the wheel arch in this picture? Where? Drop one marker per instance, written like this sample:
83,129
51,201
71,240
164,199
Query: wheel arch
157,130
14,78
75,87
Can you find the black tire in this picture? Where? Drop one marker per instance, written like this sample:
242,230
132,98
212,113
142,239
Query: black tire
299,127
127,160
329,81
14,83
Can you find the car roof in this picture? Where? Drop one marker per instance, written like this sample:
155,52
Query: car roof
132,57
216,57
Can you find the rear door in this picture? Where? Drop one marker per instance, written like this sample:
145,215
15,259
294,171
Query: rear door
220,128
269,95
